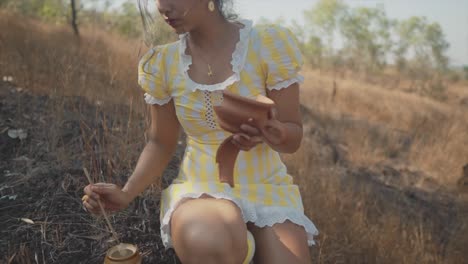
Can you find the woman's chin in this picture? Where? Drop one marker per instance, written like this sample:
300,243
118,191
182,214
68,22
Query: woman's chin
180,30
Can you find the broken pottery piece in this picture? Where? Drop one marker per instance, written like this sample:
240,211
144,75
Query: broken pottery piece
123,254
234,111
226,158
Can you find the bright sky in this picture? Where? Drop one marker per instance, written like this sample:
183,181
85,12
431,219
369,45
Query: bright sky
452,15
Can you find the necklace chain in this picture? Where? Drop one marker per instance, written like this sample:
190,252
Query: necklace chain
210,71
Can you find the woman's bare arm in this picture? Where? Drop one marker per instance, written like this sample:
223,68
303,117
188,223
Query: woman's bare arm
285,126
289,116
163,137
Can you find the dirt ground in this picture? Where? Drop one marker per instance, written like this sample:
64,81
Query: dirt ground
41,218
41,182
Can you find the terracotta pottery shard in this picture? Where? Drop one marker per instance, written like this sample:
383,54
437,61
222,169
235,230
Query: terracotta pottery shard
234,111
226,158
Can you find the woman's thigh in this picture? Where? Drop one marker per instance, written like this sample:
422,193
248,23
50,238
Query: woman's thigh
282,243
205,230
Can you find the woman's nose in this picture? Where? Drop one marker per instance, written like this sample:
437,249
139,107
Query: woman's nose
164,7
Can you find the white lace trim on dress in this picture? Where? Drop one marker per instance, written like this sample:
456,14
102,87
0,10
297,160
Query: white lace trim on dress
237,61
284,84
149,99
260,215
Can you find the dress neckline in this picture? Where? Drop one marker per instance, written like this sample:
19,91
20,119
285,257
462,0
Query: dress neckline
237,61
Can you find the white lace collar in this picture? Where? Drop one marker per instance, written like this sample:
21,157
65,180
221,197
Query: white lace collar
238,60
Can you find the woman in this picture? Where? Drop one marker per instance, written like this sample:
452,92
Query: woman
207,221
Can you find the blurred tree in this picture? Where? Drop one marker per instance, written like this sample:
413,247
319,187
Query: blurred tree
420,48
465,70
324,20
298,31
366,33
420,55
435,39
310,45
127,22
73,19
313,51
122,16
50,10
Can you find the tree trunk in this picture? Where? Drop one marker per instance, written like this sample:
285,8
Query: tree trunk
73,21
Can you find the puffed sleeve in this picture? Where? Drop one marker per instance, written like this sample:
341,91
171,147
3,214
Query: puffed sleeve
281,57
151,77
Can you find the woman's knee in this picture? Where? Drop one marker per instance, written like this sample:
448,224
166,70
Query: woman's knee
209,230
202,240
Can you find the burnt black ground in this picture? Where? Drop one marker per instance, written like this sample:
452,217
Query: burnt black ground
35,184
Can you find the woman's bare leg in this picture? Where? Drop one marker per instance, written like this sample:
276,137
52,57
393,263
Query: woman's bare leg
282,243
208,230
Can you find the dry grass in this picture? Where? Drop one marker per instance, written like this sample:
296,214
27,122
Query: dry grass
436,131
356,228
371,124
49,60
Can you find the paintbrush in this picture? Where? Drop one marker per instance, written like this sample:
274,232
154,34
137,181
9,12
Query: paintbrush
102,209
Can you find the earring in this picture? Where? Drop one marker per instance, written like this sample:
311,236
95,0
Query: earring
211,6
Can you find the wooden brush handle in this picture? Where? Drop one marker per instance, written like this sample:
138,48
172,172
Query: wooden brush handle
102,209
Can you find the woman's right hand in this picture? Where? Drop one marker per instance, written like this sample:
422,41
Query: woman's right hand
248,138
110,195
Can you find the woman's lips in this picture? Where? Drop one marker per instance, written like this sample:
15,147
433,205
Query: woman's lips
173,22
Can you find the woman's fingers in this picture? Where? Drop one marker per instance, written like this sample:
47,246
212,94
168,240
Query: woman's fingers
109,195
240,146
103,188
245,142
93,206
256,139
248,140
274,132
88,191
90,208
250,129
90,199
92,202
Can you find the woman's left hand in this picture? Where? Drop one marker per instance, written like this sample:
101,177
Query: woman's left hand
273,132
248,138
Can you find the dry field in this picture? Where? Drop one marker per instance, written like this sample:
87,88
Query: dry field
378,167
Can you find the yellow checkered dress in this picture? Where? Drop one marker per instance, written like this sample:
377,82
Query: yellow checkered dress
265,57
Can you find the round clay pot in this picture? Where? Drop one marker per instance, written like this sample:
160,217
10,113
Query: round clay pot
123,254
